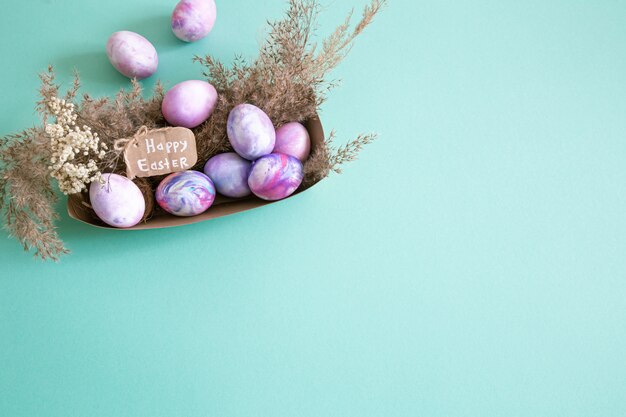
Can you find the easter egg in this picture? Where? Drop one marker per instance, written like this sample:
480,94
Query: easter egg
193,19
229,172
132,54
275,176
189,104
250,132
293,139
117,201
186,193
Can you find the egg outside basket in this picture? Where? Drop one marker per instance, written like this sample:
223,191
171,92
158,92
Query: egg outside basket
222,206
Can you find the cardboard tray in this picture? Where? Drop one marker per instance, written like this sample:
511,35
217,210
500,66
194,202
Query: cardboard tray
221,207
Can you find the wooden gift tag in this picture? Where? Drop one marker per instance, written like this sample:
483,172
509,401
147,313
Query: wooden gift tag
159,152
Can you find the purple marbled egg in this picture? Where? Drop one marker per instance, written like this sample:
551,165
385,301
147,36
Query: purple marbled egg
250,131
275,176
186,193
132,54
118,201
229,172
189,104
193,19
293,139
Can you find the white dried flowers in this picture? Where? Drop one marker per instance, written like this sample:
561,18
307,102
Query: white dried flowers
74,149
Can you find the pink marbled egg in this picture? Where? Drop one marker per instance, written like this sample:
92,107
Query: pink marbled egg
192,20
275,176
132,54
250,131
186,193
229,172
118,201
293,139
189,104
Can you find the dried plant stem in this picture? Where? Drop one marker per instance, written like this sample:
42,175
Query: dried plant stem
290,78
349,152
26,194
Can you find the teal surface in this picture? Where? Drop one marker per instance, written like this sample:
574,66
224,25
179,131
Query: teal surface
471,263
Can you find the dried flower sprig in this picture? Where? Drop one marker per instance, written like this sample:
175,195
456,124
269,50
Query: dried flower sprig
74,149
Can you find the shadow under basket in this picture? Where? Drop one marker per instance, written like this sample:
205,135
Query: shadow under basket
222,206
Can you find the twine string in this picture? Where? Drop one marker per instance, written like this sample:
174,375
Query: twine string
121,144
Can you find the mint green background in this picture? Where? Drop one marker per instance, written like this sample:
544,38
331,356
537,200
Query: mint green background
471,263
